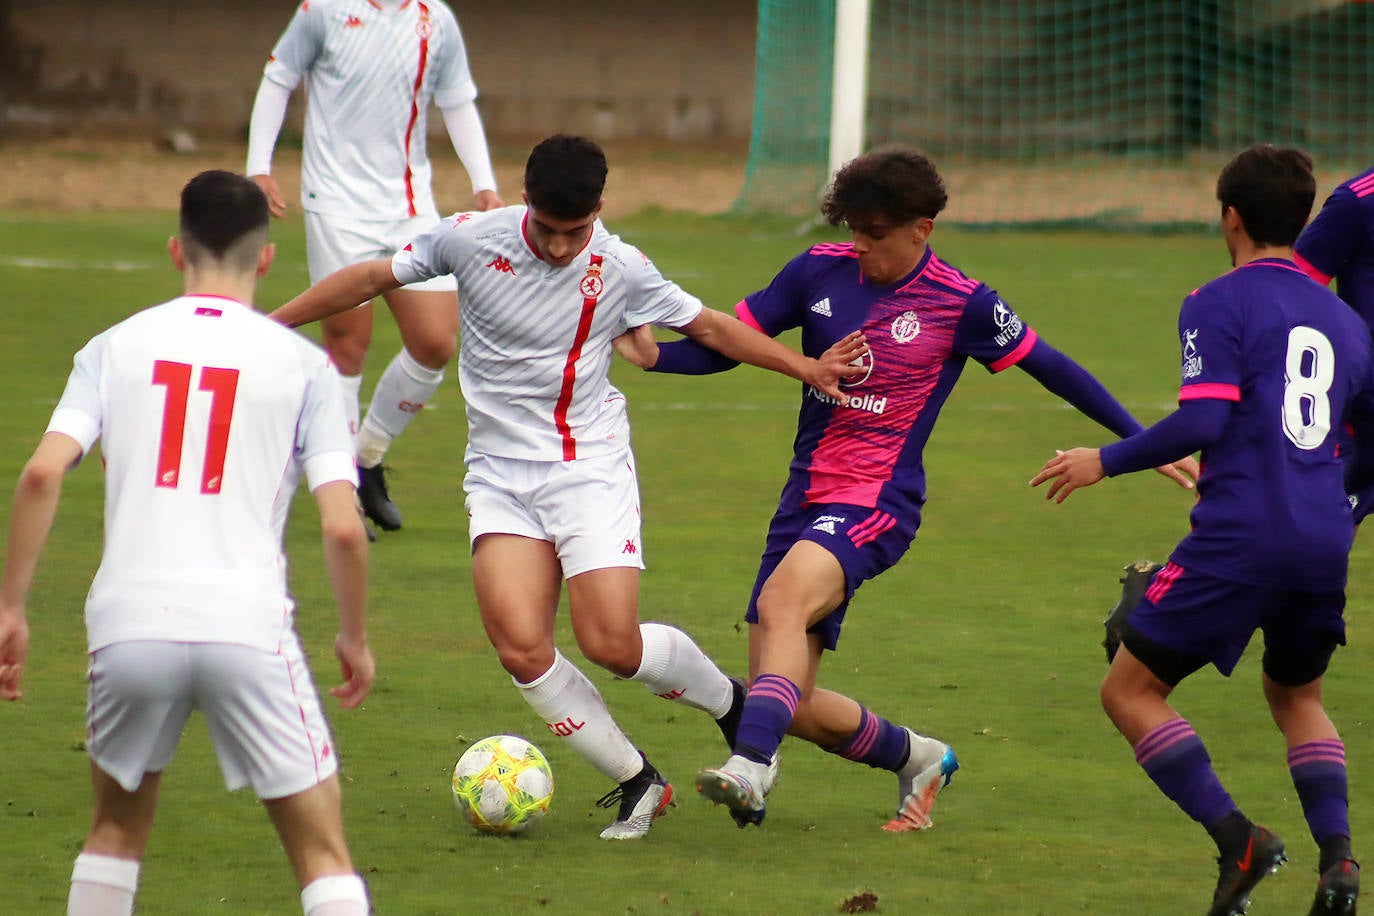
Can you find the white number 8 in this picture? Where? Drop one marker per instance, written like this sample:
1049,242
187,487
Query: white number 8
1309,369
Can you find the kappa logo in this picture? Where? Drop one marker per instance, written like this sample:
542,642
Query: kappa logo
629,547
822,308
501,265
353,22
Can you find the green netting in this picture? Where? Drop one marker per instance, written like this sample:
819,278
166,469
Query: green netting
1095,112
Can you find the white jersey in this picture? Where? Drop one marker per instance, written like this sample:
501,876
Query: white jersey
207,413
536,339
371,72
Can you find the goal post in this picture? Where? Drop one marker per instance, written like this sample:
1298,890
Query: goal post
1100,113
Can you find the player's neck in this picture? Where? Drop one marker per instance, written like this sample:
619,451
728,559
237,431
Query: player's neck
223,285
1245,253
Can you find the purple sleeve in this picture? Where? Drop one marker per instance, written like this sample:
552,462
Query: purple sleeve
1332,237
687,357
778,306
1066,378
1195,425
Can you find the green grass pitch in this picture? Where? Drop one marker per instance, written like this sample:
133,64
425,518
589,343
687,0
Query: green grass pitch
986,634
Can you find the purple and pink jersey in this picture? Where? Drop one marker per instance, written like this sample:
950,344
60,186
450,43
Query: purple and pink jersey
1293,360
1339,242
920,332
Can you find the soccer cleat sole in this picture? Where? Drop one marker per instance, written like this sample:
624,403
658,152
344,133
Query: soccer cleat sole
720,788
914,814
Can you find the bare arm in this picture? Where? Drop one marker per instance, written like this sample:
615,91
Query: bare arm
35,505
345,559
340,291
733,338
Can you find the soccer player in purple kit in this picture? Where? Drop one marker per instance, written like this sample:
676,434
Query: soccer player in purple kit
1272,363
1339,243
852,501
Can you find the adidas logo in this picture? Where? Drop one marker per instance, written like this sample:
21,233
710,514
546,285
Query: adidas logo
501,265
826,526
822,307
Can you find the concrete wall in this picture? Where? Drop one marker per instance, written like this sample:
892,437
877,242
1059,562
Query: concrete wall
613,69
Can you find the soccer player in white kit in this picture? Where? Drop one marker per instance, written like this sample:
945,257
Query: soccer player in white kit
551,489
371,68
207,414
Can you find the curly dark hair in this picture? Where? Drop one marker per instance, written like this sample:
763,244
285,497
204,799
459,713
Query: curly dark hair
896,182
1272,188
565,175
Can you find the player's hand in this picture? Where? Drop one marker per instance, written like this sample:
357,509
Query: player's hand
1183,472
638,347
275,204
487,200
355,661
14,649
844,360
1078,467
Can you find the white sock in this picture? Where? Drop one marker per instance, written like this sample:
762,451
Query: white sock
574,710
675,668
352,389
335,895
370,445
401,393
102,886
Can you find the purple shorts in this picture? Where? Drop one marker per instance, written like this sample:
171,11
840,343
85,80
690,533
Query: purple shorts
866,541
1211,620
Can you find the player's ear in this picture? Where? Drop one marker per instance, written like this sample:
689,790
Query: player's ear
177,253
265,258
922,228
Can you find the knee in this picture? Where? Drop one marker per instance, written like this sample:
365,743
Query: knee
621,657
433,351
525,663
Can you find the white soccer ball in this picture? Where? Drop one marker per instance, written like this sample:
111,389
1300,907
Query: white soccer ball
502,784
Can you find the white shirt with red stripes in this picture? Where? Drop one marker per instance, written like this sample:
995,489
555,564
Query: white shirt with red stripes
207,413
371,70
536,339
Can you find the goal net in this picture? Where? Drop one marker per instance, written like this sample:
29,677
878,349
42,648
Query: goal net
1069,112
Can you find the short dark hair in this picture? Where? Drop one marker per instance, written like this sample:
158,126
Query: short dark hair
897,182
1272,188
224,218
565,175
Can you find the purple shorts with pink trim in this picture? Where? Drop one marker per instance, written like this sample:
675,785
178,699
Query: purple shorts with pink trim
1211,619
865,540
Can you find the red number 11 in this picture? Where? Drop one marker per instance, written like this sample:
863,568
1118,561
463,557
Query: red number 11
222,385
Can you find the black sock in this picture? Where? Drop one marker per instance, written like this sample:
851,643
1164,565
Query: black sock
1333,850
729,723
1231,832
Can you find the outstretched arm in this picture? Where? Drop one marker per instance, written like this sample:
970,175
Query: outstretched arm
1196,424
35,505
738,341
342,290
1064,377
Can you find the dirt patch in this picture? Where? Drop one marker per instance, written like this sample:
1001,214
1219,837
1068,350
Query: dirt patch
72,174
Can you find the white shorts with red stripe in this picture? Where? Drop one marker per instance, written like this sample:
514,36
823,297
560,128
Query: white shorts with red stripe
587,508
261,708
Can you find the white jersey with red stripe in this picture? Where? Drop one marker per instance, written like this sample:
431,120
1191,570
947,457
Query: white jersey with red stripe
207,413
371,70
536,339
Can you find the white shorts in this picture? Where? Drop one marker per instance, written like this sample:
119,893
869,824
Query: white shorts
587,508
333,242
261,708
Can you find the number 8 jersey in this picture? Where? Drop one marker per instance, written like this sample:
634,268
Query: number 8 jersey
207,413
1295,360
